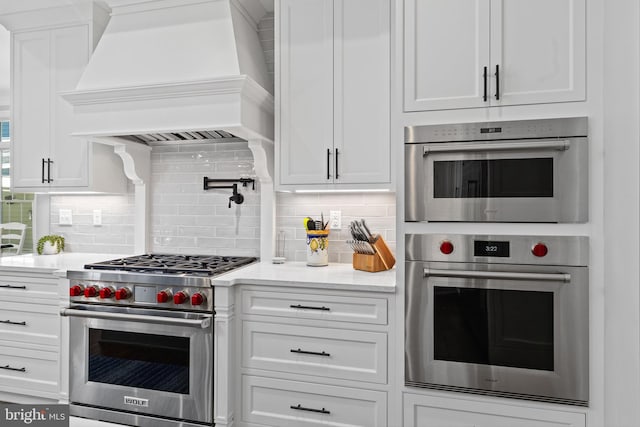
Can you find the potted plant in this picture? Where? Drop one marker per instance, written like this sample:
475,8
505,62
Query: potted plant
50,245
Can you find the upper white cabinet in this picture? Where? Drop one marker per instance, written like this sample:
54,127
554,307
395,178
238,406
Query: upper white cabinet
45,156
477,53
334,93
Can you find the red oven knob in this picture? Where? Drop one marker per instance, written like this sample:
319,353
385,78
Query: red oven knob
90,291
539,249
123,293
180,297
197,299
76,290
446,247
106,292
163,296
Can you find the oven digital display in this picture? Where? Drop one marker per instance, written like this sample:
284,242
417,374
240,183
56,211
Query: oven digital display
490,248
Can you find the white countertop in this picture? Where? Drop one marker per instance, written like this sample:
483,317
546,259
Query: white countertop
51,263
333,276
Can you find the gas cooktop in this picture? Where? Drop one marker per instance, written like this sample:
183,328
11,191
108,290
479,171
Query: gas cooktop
192,265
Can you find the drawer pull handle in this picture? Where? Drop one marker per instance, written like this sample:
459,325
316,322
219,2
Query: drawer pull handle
315,353
9,368
308,307
302,408
13,287
9,322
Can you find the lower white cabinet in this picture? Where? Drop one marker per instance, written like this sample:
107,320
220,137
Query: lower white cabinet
430,411
282,403
313,357
29,337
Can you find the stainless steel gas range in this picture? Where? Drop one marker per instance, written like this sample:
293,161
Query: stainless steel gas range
141,339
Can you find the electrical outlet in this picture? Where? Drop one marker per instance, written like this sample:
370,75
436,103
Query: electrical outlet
97,217
335,220
66,217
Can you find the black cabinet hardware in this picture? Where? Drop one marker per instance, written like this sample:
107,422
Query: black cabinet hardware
315,353
9,322
328,163
302,408
9,368
43,170
484,78
498,82
49,179
337,175
308,307
13,287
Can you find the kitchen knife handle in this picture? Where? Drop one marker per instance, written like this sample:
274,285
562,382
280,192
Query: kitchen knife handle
337,176
328,164
497,82
484,78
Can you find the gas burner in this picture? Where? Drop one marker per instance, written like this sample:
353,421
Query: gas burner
190,265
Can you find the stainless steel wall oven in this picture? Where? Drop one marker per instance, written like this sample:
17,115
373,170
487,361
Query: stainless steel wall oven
499,315
517,171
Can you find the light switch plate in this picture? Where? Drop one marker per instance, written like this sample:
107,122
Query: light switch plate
97,217
66,217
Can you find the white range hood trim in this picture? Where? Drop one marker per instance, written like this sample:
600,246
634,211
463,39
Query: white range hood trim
236,104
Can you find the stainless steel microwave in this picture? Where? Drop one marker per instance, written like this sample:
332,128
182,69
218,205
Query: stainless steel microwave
511,171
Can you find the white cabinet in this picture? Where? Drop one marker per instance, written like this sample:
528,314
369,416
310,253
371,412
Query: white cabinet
313,357
475,53
29,337
334,86
430,411
45,155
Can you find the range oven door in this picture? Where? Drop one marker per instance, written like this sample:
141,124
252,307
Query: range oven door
497,181
150,362
513,331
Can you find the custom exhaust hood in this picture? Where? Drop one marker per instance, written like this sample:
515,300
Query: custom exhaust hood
179,71
176,70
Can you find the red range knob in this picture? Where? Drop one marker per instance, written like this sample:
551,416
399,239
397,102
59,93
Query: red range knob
197,299
76,290
91,291
163,296
106,293
123,293
180,297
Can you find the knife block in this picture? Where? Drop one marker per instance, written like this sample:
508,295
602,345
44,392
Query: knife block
382,260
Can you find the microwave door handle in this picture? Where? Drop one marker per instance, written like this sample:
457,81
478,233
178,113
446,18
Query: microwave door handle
201,323
503,275
497,146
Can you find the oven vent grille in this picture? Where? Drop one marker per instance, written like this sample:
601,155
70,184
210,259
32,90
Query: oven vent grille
191,136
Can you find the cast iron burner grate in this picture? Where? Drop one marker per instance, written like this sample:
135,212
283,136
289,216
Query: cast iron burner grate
197,265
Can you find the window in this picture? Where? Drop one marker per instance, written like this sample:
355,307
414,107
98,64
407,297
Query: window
15,207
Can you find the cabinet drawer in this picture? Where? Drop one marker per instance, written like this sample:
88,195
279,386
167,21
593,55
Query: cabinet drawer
28,371
28,289
429,411
333,353
30,324
296,404
312,306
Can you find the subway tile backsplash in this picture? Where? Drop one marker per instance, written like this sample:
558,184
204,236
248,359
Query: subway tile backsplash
187,219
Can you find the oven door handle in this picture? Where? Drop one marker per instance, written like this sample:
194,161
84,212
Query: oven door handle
201,323
503,275
497,146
